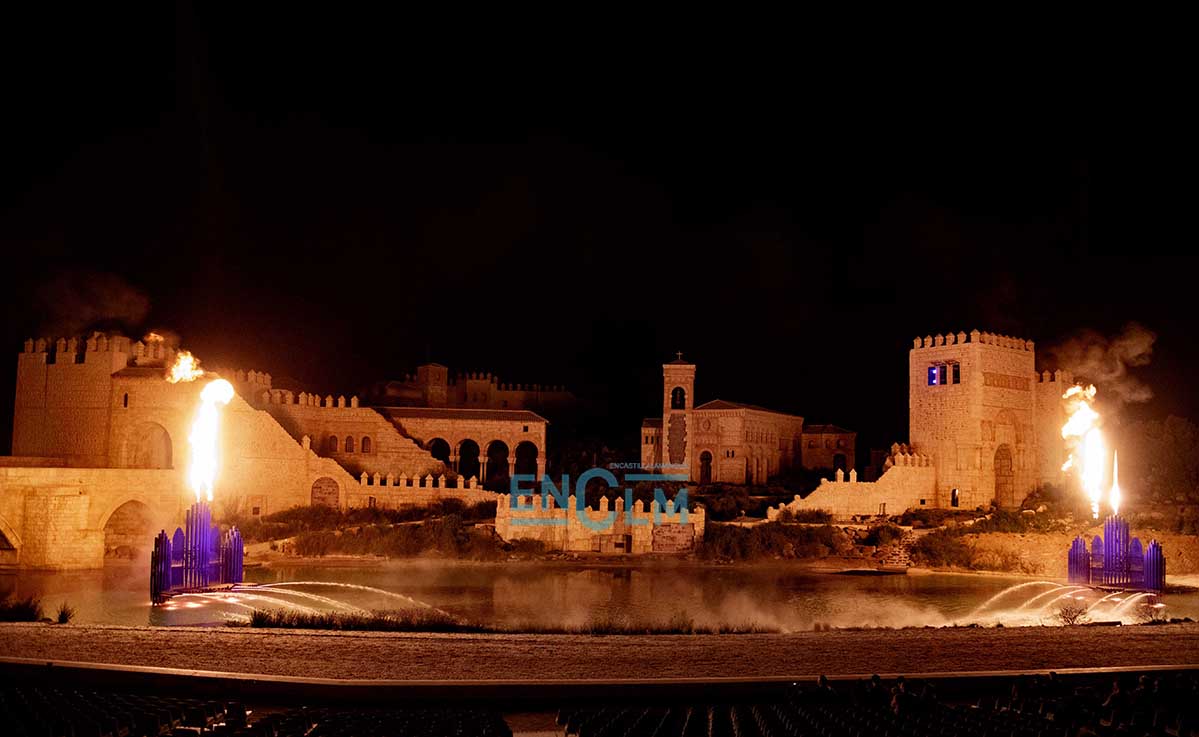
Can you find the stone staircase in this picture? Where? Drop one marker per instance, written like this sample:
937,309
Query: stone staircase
899,555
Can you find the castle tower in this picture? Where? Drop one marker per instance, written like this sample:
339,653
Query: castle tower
973,407
433,379
678,402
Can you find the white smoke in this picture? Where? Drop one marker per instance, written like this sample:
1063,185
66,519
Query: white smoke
1105,360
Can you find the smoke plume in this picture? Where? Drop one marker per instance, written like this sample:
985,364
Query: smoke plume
1105,360
76,302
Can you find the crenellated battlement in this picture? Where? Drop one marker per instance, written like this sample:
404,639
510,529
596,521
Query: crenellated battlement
974,336
1051,377
903,454
306,399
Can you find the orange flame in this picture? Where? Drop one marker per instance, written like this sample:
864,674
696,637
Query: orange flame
205,432
1114,494
1085,443
205,458
185,368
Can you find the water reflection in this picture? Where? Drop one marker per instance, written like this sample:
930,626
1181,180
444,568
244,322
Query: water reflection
573,595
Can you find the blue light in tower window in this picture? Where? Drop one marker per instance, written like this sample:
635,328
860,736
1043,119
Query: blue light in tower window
932,375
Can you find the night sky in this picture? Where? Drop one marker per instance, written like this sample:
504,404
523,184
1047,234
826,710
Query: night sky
318,198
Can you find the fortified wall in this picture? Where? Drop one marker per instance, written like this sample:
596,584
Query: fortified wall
100,453
611,529
907,483
984,427
358,438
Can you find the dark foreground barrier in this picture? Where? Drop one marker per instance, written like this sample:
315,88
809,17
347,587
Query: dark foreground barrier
40,712
196,557
101,701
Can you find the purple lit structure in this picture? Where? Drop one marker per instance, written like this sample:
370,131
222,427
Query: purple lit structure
196,557
1116,559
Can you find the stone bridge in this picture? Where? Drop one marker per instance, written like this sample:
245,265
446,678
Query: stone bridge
68,518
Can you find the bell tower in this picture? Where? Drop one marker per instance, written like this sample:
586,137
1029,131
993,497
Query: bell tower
678,400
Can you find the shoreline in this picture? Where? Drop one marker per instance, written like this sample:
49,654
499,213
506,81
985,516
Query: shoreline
423,656
835,566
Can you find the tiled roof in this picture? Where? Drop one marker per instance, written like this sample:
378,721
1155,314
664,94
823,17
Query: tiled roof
722,404
464,413
652,422
826,430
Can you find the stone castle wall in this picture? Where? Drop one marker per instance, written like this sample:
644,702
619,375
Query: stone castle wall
995,434
398,492
390,452
612,530
908,482
55,517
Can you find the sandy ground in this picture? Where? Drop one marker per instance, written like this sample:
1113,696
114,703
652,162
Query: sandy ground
508,657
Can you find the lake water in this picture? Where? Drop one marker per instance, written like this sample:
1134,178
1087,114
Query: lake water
515,593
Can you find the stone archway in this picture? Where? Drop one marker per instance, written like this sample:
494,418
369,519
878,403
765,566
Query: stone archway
129,532
326,493
468,459
439,449
705,467
1005,477
497,466
678,398
148,445
525,463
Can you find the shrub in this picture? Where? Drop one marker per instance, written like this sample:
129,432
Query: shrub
1151,614
807,516
943,548
66,613
883,535
771,539
1003,560
528,547
404,620
1072,613
924,518
28,609
297,520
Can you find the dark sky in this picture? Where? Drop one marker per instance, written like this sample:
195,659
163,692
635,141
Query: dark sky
319,198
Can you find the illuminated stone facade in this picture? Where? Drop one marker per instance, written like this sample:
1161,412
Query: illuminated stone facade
985,427
730,442
607,529
100,450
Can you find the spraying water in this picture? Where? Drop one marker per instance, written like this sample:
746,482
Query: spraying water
1056,590
360,587
1123,606
983,607
1068,595
1110,597
255,597
304,595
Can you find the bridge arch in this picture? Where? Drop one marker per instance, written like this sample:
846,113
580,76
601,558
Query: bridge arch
128,530
148,445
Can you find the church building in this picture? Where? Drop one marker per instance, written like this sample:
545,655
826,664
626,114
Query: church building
731,442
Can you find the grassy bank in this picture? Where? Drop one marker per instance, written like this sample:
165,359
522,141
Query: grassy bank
432,620
298,520
446,537
772,540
